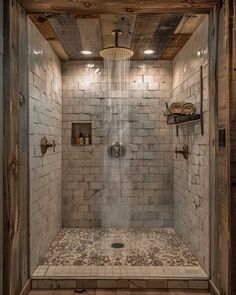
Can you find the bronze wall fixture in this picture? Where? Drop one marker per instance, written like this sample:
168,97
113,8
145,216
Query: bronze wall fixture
45,145
184,151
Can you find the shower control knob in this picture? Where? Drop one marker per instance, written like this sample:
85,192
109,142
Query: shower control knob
116,150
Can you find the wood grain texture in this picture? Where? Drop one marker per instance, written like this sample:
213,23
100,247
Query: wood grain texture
115,6
89,29
164,33
43,25
11,181
189,23
174,45
145,28
221,186
59,50
213,114
66,30
184,30
121,292
232,99
23,149
124,22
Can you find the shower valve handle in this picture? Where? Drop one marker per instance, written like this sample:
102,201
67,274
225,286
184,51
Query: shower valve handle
116,150
45,145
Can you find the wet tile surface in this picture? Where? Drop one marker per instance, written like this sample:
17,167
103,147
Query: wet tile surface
92,247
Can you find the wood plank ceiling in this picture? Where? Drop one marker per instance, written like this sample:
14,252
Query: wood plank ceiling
71,26
69,34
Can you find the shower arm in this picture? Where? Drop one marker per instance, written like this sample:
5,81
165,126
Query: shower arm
116,33
116,39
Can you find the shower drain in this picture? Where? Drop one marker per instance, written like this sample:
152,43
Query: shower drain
117,245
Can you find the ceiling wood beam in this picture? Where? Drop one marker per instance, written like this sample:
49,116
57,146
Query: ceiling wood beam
124,22
174,46
66,30
118,6
145,28
163,34
43,25
189,23
89,29
59,50
183,32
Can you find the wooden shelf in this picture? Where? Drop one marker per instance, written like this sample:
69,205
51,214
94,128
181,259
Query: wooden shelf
75,144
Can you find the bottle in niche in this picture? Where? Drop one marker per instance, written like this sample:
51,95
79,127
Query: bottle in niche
77,139
81,138
87,139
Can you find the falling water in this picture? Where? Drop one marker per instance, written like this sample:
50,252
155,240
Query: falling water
117,184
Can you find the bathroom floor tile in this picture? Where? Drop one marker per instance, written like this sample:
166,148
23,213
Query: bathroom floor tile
92,247
87,253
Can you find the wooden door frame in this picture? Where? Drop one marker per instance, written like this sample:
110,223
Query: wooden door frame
11,149
15,152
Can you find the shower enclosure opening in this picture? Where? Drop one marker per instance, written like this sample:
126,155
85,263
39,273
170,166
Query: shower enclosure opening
126,207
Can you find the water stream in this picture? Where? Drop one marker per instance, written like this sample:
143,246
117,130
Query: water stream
116,127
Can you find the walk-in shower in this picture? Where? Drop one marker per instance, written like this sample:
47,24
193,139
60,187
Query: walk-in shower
126,205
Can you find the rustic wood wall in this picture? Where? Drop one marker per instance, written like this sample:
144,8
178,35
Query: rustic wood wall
223,109
232,94
213,115
23,147
15,149
1,142
121,6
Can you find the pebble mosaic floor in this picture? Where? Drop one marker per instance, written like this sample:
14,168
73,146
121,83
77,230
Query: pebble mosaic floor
157,247
87,253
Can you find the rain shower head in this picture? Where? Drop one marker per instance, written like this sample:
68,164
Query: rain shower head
116,52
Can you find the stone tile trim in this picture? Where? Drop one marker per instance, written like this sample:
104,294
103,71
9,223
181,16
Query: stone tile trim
66,283
120,271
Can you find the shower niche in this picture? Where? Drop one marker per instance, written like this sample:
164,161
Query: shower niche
81,133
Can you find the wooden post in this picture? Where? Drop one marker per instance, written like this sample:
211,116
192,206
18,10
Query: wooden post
11,185
23,149
213,114
232,99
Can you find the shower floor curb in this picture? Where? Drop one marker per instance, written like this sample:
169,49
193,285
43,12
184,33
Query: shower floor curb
119,283
167,272
69,277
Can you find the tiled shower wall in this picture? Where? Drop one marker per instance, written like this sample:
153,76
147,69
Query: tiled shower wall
1,143
45,119
191,177
150,199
